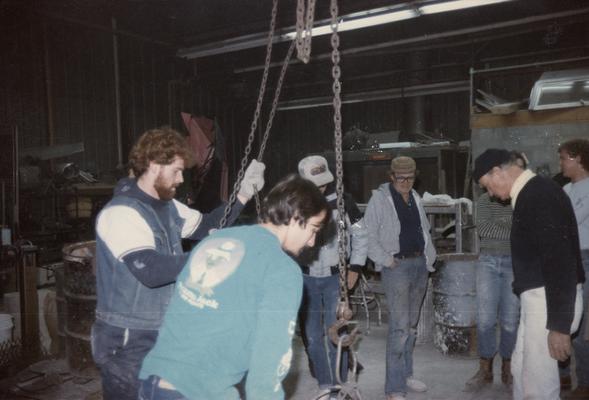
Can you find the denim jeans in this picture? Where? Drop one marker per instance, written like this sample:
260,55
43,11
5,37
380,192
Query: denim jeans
320,298
118,353
404,287
496,302
149,390
580,345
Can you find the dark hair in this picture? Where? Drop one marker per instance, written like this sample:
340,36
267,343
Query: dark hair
160,146
577,148
293,197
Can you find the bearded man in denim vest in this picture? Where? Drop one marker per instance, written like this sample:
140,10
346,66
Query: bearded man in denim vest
139,255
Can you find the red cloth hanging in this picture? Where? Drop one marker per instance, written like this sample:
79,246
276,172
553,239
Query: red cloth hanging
202,140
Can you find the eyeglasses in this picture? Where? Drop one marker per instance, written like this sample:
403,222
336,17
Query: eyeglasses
403,179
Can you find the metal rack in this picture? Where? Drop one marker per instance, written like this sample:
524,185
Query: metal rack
454,210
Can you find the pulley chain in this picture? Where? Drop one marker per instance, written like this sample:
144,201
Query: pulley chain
254,124
271,115
304,27
344,309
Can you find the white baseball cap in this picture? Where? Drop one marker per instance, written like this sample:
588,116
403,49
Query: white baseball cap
315,169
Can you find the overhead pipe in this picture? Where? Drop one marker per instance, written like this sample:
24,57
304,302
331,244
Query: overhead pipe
375,95
437,36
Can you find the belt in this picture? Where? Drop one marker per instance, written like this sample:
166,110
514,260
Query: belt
334,269
414,254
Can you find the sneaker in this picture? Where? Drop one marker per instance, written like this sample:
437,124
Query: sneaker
396,397
416,385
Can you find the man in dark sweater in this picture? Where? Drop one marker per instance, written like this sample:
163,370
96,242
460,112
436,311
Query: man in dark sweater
548,273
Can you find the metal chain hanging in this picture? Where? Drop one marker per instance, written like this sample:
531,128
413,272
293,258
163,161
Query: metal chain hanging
304,27
343,311
271,116
254,125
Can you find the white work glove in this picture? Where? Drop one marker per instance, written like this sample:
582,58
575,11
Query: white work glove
254,176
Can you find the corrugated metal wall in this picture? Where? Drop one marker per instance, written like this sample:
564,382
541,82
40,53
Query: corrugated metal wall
76,64
69,69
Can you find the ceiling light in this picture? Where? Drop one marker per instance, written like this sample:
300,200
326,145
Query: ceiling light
364,19
455,5
560,89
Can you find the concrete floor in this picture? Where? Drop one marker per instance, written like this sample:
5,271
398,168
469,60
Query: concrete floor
445,376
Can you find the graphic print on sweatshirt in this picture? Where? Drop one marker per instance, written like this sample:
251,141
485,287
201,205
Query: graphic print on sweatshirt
210,265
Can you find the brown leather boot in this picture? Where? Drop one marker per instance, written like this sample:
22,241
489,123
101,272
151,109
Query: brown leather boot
506,377
483,377
581,392
565,383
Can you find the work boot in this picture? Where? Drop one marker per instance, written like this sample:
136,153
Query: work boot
581,392
565,383
483,377
506,377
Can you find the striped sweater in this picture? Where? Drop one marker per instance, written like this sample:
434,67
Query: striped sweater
493,220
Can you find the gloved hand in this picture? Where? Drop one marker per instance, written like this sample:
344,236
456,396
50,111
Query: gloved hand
254,175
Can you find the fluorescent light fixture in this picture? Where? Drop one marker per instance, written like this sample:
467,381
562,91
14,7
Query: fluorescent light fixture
362,20
455,5
359,20
560,89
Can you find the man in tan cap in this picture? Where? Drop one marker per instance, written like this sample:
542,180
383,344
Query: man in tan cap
401,247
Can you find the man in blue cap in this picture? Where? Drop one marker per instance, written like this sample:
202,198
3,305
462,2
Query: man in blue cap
548,273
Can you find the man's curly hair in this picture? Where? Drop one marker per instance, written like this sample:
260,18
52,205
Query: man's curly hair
161,146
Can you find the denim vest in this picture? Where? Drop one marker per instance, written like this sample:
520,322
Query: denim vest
122,300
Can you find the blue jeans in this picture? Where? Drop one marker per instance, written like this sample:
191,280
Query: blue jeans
580,345
149,390
119,353
320,298
404,287
496,302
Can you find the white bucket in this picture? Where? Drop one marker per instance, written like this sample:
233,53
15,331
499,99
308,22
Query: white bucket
6,326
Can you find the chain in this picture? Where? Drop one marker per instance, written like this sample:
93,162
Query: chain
271,117
339,187
254,125
275,101
304,27
300,25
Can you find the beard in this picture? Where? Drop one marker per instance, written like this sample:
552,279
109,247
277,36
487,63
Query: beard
164,190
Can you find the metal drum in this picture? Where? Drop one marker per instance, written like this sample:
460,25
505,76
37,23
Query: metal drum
455,304
79,290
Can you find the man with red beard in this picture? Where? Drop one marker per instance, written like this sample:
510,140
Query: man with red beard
139,254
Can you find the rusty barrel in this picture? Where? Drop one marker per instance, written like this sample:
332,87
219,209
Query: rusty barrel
455,304
79,289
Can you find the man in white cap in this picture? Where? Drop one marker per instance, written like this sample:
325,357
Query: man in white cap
401,247
321,276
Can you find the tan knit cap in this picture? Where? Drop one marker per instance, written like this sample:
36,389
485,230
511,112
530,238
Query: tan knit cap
402,165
